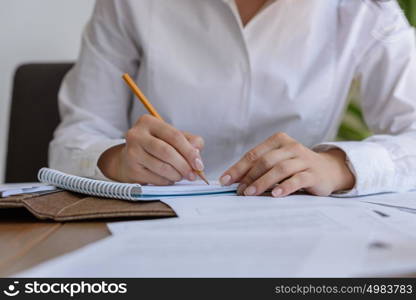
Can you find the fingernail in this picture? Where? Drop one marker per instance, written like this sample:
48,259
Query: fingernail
199,165
225,180
277,193
250,191
192,176
241,189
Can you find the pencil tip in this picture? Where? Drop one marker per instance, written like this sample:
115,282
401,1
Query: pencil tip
202,175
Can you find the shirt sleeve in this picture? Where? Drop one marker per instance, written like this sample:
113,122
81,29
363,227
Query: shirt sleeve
385,162
93,101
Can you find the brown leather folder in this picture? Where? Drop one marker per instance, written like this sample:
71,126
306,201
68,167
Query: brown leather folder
66,206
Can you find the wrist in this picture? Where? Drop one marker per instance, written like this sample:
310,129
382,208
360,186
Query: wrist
343,178
110,161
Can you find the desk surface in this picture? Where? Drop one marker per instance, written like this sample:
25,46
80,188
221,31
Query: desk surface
26,242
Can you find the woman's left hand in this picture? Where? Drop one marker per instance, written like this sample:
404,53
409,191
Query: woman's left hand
287,166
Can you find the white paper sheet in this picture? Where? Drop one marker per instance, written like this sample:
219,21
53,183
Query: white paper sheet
302,212
8,190
404,201
198,254
391,233
299,210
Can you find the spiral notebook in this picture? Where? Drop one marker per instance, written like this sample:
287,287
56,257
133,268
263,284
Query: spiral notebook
133,192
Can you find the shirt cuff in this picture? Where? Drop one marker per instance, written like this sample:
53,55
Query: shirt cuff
89,163
370,163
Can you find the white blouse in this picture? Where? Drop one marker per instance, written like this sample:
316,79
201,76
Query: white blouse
288,70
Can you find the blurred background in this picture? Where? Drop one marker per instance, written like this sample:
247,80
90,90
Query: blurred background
50,31
36,31
353,126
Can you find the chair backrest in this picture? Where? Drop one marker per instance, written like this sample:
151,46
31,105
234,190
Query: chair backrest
33,118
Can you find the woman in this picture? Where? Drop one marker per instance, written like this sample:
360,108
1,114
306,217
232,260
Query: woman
262,84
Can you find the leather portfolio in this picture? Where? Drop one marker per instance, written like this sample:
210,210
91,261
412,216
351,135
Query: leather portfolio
67,206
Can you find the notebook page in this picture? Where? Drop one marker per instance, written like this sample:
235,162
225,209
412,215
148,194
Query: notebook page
188,188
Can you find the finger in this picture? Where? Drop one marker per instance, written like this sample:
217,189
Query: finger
293,184
238,170
159,167
278,173
166,153
265,164
139,171
195,140
135,168
176,139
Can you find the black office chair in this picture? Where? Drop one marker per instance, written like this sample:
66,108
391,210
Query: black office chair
33,119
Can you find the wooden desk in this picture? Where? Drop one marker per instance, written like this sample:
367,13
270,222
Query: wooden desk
26,242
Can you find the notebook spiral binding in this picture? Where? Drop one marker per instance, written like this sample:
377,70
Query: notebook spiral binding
88,186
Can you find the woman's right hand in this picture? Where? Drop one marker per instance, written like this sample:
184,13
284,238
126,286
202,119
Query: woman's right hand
154,153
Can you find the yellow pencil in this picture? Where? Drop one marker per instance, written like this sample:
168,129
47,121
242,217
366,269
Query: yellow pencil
135,89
